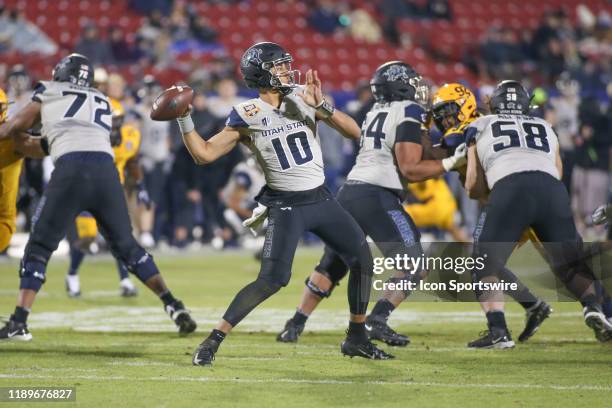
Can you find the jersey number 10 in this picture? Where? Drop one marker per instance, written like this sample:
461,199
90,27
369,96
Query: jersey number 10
300,156
535,136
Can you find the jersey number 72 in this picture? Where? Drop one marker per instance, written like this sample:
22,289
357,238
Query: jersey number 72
99,113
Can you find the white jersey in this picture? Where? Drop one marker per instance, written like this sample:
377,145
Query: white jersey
249,177
74,118
508,144
384,125
284,141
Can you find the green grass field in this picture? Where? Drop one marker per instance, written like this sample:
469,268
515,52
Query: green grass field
125,353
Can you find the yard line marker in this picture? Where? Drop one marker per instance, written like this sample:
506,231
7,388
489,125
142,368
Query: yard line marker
576,387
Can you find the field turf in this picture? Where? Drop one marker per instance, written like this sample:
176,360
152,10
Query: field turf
125,353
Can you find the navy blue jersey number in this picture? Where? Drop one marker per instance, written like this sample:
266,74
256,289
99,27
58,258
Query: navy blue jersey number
375,129
535,138
104,110
74,107
79,100
301,155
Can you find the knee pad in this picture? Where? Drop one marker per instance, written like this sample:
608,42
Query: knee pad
142,266
408,277
318,291
32,274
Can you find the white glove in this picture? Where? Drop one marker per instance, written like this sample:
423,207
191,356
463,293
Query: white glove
601,214
458,159
260,214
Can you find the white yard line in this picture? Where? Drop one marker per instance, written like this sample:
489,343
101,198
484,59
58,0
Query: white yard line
153,319
576,387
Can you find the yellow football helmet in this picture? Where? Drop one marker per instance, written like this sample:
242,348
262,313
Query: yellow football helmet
3,106
452,105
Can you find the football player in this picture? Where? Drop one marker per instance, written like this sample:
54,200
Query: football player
389,157
280,128
10,168
238,196
125,140
454,108
451,122
516,157
436,207
76,127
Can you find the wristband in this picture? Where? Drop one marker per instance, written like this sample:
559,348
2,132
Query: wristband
325,109
185,123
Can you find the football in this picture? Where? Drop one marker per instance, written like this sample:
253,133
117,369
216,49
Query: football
172,103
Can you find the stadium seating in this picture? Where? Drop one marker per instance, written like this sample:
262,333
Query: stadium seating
438,45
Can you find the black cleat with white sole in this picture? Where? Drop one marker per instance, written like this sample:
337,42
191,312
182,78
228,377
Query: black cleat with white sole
534,318
181,317
596,320
291,332
493,339
378,329
204,355
366,349
13,331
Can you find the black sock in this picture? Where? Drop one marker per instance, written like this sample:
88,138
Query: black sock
357,331
589,301
299,318
21,314
217,335
528,304
167,298
496,319
383,308
522,294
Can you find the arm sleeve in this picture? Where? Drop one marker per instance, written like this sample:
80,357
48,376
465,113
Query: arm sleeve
408,131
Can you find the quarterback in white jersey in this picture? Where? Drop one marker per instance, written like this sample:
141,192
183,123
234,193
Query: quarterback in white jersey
390,156
516,157
280,128
76,128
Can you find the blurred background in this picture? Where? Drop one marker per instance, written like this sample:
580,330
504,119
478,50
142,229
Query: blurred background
560,49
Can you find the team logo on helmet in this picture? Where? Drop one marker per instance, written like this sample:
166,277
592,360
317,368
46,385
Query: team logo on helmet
395,72
254,54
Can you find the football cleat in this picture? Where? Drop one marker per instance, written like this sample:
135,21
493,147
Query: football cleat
73,286
378,329
127,288
205,353
291,332
365,349
181,317
493,339
534,318
596,320
13,331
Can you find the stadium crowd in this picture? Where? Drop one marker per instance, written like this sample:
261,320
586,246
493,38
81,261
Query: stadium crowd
565,62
